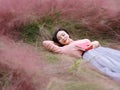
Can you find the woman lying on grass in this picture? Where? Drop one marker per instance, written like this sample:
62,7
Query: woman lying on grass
106,60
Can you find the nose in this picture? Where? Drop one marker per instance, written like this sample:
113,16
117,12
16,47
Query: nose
62,37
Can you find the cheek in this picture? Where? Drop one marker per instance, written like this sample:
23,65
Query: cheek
61,41
67,36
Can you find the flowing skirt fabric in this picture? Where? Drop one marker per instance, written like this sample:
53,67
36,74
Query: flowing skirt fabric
106,60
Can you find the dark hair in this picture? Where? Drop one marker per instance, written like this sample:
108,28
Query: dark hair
54,38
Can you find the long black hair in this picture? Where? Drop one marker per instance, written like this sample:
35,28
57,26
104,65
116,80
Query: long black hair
54,38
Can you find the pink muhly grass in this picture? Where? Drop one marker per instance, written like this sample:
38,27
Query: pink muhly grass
24,60
16,12
14,79
93,14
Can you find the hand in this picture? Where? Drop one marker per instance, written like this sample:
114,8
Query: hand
89,47
95,44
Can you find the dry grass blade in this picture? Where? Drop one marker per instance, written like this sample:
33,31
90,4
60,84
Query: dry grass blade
43,34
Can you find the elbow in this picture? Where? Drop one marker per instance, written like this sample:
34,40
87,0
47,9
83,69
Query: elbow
44,43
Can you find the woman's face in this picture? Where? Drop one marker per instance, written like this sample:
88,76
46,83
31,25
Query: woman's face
63,37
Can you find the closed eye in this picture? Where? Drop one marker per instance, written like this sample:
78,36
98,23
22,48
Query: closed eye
59,38
63,34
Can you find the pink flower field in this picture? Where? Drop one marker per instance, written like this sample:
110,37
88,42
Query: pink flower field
24,66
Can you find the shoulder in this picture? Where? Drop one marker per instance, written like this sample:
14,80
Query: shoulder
83,40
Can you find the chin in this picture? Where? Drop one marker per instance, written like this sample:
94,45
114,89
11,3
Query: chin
67,42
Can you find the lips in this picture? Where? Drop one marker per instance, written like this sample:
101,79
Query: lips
66,41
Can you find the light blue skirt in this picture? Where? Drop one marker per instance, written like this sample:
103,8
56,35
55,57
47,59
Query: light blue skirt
106,60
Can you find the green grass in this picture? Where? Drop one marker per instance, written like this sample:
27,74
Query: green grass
29,32
75,65
50,22
82,86
59,84
52,58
